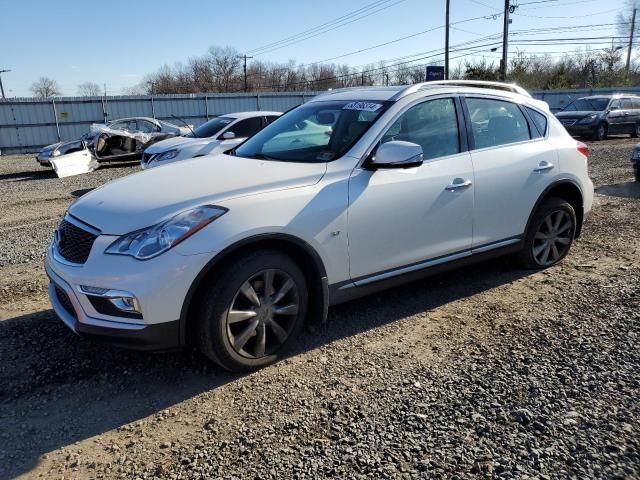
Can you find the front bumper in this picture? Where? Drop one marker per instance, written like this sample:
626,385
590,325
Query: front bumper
161,336
160,286
44,161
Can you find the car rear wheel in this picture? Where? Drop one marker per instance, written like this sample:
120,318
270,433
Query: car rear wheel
601,132
636,173
550,234
636,131
252,311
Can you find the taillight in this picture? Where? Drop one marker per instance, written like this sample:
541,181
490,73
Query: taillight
583,149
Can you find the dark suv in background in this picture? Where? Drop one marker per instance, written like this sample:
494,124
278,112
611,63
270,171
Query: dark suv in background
602,115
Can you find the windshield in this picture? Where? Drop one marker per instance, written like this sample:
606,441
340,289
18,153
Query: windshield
314,132
588,104
210,128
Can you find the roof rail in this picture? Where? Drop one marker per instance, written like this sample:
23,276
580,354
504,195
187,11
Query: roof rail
510,87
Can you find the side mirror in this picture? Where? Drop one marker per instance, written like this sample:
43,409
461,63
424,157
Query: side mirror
397,154
228,135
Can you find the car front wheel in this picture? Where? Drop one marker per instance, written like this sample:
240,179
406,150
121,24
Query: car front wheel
601,132
252,310
550,234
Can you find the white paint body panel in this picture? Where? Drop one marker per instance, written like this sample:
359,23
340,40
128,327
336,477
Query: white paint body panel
402,216
75,163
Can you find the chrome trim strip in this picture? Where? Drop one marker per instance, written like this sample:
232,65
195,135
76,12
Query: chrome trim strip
492,246
412,268
80,224
432,262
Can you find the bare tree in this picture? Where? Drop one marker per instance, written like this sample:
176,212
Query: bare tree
89,89
45,87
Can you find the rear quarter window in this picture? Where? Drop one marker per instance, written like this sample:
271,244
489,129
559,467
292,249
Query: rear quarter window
539,123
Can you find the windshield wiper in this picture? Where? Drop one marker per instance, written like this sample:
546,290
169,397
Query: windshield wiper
262,156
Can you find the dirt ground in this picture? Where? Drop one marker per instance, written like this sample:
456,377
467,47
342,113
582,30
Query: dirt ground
486,372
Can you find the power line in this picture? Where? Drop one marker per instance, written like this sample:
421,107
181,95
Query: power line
333,25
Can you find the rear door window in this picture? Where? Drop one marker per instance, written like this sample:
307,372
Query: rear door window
625,104
496,122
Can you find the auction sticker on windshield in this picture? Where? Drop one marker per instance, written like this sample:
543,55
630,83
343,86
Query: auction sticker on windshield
366,106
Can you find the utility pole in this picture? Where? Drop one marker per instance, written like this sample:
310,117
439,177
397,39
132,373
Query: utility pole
633,27
505,41
1,86
246,88
446,41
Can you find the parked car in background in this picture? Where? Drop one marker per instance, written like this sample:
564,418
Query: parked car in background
234,255
215,136
122,139
601,115
635,162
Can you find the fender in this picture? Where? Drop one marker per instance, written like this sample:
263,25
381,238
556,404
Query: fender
545,192
320,310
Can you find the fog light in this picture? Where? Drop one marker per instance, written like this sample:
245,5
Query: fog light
123,301
126,304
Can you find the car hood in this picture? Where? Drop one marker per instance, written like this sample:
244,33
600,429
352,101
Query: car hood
576,114
175,142
146,198
53,146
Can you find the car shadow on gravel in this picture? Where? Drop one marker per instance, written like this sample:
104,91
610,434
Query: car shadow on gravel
624,190
57,389
31,175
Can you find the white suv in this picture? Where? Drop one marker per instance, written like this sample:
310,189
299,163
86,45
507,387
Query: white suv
349,193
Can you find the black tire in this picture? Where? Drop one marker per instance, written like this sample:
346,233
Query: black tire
221,292
636,131
551,208
601,132
636,174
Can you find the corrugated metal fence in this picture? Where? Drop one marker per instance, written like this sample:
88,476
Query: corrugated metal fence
27,124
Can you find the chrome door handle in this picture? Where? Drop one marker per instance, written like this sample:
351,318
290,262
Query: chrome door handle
543,166
458,183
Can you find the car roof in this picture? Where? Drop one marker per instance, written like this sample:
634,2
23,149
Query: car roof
508,91
253,113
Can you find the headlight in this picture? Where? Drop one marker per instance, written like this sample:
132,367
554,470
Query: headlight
152,241
588,118
55,153
168,155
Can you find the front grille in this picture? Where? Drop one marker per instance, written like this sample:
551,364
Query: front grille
73,243
65,301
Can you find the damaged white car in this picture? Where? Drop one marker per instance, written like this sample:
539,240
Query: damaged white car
215,136
120,140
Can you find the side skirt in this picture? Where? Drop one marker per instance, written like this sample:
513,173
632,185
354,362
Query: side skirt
346,291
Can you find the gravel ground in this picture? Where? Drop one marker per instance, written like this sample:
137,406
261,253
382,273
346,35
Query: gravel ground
486,372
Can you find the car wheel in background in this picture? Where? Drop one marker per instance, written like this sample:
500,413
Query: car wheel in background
636,173
636,131
550,234
251,310
601,132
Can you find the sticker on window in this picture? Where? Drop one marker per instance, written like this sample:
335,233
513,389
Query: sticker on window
366,106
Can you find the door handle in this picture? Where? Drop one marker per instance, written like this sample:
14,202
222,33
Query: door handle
543,166
457,184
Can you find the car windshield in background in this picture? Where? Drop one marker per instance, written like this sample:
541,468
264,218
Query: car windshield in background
315,132
210,128
588,105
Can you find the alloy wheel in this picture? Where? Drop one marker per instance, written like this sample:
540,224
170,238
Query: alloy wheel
553,238
263,313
